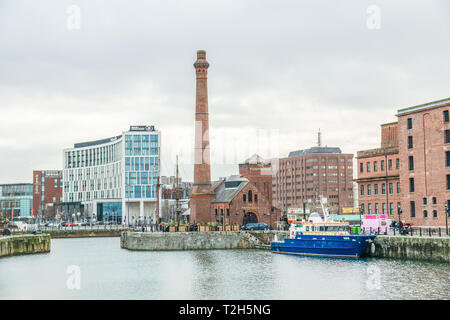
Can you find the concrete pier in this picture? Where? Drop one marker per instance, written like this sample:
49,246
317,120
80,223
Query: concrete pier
24,244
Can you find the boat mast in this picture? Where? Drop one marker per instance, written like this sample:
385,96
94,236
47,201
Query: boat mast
325,212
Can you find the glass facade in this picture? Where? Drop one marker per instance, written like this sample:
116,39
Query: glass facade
141,165
109,211
18,197
114,170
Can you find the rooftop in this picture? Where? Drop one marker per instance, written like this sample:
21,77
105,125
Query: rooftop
225,192
377,152
314,150
96,142
420,107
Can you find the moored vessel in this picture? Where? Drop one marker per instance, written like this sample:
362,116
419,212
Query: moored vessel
322,238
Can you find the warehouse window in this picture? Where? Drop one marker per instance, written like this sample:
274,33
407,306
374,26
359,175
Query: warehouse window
409,123
410,142
411,163
413,209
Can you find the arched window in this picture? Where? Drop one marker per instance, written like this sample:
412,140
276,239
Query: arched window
244,197
250,196
256,198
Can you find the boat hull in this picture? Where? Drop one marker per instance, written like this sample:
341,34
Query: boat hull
351,246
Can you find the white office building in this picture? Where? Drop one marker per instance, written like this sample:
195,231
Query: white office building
115,179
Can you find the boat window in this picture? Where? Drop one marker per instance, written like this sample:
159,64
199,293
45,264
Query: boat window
307,228
321,228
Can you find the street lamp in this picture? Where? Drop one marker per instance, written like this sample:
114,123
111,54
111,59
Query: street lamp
361,212
447,210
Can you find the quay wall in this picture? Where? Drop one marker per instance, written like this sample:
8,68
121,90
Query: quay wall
397,247
411,248
157,241
88,233
24,244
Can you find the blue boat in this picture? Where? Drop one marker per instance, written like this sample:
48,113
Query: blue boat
327,239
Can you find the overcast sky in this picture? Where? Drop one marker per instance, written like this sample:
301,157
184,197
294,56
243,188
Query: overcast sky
279,71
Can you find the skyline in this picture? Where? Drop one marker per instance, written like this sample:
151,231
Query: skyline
61,86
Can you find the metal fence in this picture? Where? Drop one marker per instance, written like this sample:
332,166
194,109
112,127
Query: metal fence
414,231
44,229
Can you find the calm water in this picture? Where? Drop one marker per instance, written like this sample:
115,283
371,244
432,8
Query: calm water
109,272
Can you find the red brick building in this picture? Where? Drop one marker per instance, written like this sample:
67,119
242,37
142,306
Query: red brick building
47,192
259,172
239,201
424,149
306,176
378,175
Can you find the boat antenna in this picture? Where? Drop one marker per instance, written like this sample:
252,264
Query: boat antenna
319,139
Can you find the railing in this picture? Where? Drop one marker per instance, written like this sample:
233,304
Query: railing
194,228
417,231
43,229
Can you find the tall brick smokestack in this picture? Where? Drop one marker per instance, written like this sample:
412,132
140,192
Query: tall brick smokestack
202,193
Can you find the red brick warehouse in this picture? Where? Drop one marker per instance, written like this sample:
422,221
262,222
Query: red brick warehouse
424,148
379,175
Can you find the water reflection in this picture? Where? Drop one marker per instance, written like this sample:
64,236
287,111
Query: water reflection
109,272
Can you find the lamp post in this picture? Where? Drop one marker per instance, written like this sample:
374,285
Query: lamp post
399,211
361,211
447,210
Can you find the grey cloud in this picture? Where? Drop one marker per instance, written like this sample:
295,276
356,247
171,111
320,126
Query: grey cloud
292,66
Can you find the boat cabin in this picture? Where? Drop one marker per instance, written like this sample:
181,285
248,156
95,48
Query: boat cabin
319,228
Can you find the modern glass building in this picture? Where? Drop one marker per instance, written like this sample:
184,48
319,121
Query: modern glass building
17,197
115,179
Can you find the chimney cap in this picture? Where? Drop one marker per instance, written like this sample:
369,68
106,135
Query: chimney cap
201,54
201,59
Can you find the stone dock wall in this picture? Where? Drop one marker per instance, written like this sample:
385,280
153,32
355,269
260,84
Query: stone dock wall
399,247
24,244
411,248
158,241
89,233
